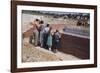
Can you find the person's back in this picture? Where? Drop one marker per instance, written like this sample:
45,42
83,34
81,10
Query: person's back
47,28
41,30
57,41
57,36
35,24
35,32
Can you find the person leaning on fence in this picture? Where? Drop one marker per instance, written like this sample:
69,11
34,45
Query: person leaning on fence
35,35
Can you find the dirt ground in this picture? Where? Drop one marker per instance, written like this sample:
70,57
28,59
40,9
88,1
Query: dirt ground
37,54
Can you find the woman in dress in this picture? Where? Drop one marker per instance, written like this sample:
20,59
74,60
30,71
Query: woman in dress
49,39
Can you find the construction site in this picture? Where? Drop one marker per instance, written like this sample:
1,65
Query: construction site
75,31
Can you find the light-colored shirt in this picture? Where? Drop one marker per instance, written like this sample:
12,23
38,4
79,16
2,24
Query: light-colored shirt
46,29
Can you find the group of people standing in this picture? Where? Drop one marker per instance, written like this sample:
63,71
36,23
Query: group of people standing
44,36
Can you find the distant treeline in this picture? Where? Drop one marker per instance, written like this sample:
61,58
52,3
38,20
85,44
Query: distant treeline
65,15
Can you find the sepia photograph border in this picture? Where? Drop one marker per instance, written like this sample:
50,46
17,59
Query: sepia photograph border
14,36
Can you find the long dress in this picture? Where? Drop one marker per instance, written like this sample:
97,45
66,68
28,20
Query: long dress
49,41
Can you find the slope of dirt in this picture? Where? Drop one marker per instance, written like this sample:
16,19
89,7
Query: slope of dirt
37,54
33,54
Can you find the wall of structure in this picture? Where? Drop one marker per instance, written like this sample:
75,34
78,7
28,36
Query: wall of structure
77,46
